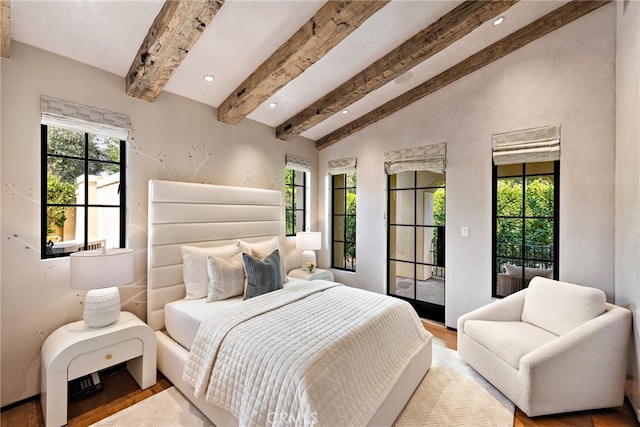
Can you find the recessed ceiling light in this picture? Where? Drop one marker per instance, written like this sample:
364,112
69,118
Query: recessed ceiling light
273,105
498,20
345,111
209,77
404,78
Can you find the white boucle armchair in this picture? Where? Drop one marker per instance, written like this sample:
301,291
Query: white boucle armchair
553,347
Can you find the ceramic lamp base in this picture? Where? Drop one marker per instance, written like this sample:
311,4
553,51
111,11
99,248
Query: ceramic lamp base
308,256
101,307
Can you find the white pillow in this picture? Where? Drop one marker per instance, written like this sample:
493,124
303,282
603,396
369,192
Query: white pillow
529,272
266,246
513,270
226,278
194,267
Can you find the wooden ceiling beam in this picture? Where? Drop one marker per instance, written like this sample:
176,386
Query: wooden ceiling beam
173,33
5,28
328,27
436,37
541,27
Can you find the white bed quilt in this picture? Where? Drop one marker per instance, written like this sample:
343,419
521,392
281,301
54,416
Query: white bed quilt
317,353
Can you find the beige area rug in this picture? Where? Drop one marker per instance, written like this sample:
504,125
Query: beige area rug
451,394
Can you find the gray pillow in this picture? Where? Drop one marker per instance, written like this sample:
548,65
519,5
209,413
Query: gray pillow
263,276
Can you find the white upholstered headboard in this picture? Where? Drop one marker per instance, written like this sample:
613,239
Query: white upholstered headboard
182,213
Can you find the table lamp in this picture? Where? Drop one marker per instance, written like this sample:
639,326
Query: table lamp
100,271
308,242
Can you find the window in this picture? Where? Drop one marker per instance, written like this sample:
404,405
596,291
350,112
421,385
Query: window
525,211
343,241
83,191
416,240
295,201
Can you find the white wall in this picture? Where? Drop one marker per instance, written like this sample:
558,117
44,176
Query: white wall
173,138
566,77
627,237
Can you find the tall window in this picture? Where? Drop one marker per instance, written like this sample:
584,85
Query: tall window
83,191
416,240
525,207
295,201
343,221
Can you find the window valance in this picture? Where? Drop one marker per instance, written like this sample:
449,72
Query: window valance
84,118
527,146
427,157
297,163
340,166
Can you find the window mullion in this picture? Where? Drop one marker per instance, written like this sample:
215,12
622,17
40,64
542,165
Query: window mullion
86,191
123,193
415,235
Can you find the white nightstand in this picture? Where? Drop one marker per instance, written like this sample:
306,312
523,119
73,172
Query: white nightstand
75,350
317,274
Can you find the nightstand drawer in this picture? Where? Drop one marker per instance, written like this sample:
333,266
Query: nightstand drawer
104,357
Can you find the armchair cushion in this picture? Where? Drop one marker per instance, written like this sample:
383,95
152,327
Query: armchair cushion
510,341
559,309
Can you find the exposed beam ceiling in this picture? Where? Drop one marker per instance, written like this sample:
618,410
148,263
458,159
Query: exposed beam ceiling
548,23
173,33
5,28
325,30
439,35
312,75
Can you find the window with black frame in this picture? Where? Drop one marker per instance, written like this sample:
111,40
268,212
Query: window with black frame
526,196
525,224
416,240
83,191
343,214
295,201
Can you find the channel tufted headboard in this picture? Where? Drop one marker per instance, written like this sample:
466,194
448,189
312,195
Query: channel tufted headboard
182,213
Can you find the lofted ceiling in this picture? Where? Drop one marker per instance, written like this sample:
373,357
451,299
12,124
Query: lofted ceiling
332,68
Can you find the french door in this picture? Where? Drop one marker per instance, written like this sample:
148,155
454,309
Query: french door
416,240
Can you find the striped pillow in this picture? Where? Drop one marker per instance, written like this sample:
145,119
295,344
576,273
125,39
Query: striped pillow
226,278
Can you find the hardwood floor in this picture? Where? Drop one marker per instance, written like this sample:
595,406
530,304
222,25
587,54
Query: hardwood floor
121,391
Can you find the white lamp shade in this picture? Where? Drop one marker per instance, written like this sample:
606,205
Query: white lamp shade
98,269
309,240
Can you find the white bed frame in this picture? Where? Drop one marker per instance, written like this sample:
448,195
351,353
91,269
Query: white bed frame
208,215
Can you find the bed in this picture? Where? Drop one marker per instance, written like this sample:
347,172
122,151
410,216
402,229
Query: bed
337,367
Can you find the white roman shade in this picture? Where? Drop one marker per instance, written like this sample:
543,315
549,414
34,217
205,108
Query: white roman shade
84,118
527,146
340,166
425,158
297,163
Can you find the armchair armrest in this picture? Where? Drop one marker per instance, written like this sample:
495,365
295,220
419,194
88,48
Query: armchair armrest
589,361
508,309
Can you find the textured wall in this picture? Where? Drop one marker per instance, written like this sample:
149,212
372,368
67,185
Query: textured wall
173,138
567,78
627,260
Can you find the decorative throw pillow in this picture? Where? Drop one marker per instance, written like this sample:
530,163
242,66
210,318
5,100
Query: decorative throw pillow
513,270
267,246
194,267
226,278
263,276
529,272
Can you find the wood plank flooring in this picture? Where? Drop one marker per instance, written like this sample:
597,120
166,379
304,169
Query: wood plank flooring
121,391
